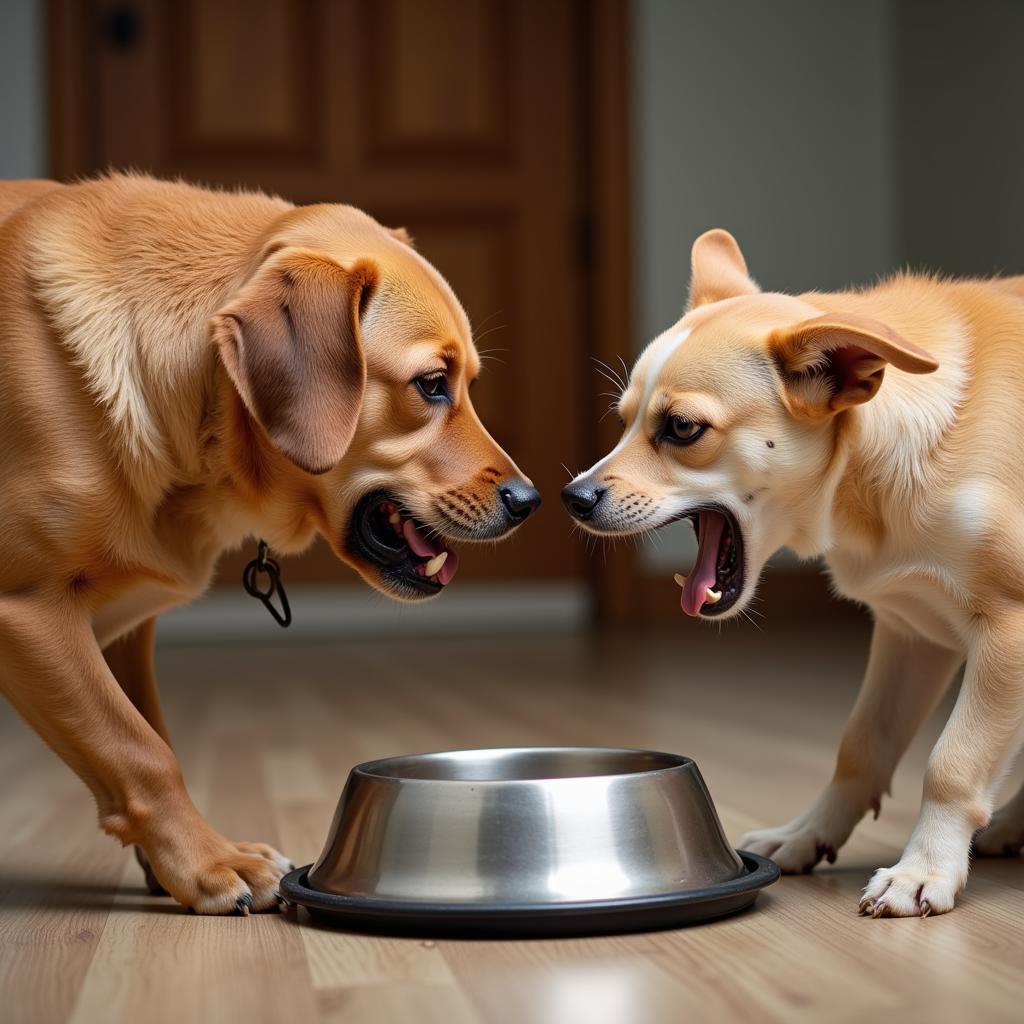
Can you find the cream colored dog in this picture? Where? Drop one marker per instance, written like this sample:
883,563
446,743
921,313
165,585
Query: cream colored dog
764,419
184,369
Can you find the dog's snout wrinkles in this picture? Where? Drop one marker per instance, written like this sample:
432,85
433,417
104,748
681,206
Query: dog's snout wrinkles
519,499
582,498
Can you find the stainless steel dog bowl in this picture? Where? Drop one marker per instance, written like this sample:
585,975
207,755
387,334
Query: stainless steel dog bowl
537,840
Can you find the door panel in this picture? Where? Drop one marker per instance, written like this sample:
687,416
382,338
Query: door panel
457,119
438,77
239,77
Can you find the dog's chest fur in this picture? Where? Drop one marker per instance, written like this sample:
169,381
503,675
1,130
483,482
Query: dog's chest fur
918,591
131,608
932,577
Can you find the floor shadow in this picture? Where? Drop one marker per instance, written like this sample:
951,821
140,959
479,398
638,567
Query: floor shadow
29,892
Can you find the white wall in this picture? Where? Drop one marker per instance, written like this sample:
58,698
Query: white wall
774,120
961,131
22,98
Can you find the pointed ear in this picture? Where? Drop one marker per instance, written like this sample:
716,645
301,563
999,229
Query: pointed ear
291,343
836,361
718,270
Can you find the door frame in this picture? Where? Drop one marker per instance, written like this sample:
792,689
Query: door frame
606,231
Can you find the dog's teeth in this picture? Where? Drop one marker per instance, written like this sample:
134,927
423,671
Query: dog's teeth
394,519
680,579
435,564
713,596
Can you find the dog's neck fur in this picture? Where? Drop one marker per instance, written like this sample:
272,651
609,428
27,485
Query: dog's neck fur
884,460
177,423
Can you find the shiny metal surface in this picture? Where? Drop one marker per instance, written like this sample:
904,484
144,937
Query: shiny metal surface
524,825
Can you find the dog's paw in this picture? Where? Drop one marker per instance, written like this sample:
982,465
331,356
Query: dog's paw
819,832
796,847
229,878
910,889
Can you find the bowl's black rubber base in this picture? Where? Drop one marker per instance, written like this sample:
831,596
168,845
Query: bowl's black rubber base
499,920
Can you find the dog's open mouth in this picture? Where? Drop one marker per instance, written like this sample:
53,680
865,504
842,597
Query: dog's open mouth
716,580
413,560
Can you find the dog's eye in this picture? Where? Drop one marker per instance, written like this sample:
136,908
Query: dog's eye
434,387
682,431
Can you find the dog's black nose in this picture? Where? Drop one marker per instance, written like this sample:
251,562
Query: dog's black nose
519,499
582,498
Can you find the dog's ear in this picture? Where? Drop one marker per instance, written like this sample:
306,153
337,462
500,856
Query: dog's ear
836,361
291,343
718,270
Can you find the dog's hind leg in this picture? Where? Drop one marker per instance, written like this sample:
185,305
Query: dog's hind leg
1004,836
52,671
131,659
974,749
905,677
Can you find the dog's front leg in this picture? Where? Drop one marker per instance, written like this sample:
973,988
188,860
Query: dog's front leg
905,677
55,676
964,768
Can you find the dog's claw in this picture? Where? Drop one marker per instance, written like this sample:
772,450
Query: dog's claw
826,851
242,905
866,906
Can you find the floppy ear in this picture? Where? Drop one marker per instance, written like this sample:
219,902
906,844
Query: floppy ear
836,361
291,343
718,270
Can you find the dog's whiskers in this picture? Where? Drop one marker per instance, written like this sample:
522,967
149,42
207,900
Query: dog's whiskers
490,316
626,372
490,330
610,374
611,378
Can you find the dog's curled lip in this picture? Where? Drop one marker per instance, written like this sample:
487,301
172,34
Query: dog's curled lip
390,557
692,513
730,594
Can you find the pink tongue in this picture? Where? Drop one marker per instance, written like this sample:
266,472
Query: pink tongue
421,545
704,571
447,571
425,547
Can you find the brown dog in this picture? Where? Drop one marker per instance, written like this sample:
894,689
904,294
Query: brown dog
184,369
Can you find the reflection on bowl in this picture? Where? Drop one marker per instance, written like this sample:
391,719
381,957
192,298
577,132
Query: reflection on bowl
537,826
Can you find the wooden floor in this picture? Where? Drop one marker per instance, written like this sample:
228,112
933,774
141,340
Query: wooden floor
266,737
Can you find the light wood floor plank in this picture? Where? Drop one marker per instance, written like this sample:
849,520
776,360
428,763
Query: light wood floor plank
266,737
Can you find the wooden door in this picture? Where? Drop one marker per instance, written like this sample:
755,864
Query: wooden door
465,121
